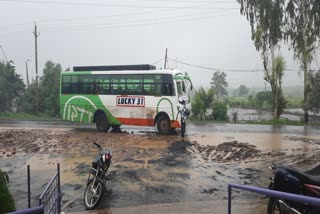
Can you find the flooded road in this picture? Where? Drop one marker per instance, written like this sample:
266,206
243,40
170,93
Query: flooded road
152,169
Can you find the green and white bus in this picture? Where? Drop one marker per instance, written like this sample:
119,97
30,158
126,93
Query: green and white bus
123,95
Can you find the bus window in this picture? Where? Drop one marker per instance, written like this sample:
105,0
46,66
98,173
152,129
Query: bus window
66,86
183,87
70,84
166,78
148,84
86,84
134,84
157,89
167,89
118,84
102,84
179,88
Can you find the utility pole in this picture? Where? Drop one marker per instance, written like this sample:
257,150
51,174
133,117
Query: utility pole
27,73
36,61
165,59
4,53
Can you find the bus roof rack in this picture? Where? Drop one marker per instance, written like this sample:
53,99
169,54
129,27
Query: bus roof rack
114,67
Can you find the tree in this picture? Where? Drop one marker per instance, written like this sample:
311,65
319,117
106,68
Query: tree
314,101
49,88
219,84
279,72
28,101
243,90
11,86
263,98
220,111
267,28
303,24
202,101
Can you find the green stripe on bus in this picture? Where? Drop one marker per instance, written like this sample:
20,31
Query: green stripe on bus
81,108
170,104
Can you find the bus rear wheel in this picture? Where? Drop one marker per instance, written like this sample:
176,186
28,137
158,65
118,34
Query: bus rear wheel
163,125
102,123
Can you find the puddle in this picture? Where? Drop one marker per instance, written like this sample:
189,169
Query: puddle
148,168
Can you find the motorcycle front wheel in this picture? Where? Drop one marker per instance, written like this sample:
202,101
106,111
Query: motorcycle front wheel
93,194
274,206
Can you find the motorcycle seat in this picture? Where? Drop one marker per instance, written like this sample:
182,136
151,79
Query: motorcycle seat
303,177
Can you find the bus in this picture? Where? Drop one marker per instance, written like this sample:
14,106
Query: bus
111,96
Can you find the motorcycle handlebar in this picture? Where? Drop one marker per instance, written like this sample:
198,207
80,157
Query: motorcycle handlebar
97,145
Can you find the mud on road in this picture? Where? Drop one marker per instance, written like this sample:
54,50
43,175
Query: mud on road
149,168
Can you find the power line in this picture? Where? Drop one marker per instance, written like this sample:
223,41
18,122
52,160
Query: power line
188,1
226,70
88,27
157,61
95,17
137,21
113,26
109,5
196,66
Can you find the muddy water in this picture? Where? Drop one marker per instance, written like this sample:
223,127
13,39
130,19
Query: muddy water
152,169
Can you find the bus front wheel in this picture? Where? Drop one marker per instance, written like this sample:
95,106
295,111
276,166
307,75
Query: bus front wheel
163,125
102,123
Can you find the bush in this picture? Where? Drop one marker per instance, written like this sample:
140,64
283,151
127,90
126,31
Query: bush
6,200
219,111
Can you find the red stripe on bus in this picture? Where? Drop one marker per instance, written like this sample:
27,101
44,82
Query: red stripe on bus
144,122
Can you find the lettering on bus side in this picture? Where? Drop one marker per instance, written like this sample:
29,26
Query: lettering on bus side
130,101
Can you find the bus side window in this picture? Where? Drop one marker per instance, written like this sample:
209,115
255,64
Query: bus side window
166,89
183,87
157,89
151,90
179,88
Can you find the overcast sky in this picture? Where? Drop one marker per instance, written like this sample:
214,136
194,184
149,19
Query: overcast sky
209,33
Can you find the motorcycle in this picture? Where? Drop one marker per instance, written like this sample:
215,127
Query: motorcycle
185,112
289,180
97,178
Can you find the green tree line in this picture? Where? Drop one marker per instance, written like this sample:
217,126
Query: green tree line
295,22
16,96
212,103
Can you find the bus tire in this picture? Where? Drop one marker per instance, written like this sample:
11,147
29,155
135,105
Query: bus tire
102,123
163,125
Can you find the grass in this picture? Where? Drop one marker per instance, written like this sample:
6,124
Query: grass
24,116
6,200
294,102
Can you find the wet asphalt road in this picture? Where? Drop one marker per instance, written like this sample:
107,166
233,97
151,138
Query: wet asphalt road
192,128
189,171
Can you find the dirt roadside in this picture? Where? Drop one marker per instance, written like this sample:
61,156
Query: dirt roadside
148,168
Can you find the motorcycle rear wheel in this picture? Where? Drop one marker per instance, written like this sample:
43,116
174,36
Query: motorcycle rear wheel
273,206
93,194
